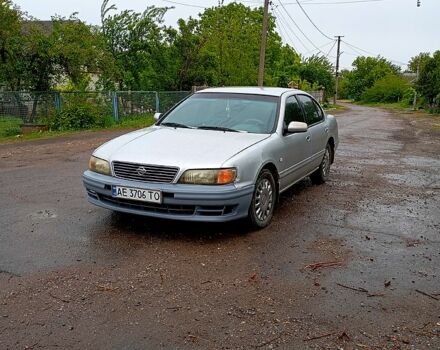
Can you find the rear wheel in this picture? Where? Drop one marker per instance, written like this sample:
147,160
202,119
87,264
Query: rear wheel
322,173
263,200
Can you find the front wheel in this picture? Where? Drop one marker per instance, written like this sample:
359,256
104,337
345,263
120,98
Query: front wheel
263,200
322,173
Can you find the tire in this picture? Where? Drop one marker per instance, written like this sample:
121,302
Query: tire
321,175
263,200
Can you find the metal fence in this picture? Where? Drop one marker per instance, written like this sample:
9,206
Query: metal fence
36,107
318,95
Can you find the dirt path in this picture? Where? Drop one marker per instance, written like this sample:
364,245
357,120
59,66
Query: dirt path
76,276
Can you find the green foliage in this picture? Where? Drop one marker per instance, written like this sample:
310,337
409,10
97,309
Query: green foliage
139,121
225,43
80,115
418,62
140,46
10,126
318,70
78,50
390,88
37,55
428,84
343,89
287,66
367,70
136,51
10,28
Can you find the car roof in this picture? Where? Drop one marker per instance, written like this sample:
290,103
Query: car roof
251,90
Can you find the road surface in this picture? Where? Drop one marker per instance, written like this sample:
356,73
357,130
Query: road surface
354,263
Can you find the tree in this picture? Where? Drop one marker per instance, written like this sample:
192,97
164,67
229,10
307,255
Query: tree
141,47
367,70
428,84
195,67
318,70
10,45
390,88
286,67
231,37
78,50
418,61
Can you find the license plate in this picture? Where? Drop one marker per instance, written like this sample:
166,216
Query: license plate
137,194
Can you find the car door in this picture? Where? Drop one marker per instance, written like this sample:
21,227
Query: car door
296,148
315,120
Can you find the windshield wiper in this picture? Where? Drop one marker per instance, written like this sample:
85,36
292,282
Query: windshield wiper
176,125
220,128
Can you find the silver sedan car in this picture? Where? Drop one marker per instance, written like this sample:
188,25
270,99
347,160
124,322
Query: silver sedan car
219,155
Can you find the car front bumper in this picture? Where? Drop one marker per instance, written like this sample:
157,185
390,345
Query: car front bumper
180,202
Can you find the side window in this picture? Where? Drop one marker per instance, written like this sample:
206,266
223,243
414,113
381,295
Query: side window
319,110
293,111
312,112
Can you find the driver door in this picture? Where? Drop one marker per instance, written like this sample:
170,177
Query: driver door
296,148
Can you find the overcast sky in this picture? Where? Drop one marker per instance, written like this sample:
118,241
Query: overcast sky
396,29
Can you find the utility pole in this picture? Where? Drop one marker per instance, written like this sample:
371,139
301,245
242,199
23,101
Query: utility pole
415,91
263,43
338,54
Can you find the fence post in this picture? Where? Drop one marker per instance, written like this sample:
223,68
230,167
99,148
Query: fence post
115,107
57,98
157,102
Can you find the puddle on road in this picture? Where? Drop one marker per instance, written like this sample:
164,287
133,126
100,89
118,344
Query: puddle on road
404,219
422,162
44,214
415,178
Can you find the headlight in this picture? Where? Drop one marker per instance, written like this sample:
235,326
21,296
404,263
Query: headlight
209,176
99,166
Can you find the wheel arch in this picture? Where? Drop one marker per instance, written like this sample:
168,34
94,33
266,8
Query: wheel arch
273,169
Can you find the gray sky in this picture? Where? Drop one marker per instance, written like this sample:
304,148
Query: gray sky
396,29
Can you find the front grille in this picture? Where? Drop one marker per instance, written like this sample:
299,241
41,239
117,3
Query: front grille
176,209
151,207
145,173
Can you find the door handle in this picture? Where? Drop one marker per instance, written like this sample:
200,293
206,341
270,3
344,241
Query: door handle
308,138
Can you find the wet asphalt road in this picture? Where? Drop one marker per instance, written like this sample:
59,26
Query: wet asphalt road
76,276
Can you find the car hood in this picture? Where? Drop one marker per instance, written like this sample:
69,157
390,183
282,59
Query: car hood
184,148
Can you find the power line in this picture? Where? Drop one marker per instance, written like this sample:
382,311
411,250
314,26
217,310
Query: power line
328,53
360,50
335,2
184,4
289,28
321,47
281,25
298,27
308,17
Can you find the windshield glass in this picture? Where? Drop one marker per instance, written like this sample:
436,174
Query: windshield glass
225,112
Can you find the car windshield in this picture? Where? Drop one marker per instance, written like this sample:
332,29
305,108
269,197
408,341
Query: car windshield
225,112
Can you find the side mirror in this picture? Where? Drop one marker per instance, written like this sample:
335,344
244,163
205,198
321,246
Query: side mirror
157,115
295,127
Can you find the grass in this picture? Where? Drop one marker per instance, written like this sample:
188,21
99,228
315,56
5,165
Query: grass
431,119
10,128
386,105
331,108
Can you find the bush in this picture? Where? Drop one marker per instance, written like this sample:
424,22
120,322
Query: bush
391,88
80,116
